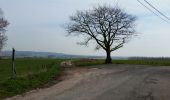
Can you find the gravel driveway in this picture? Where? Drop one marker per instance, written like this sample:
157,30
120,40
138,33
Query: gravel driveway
108,82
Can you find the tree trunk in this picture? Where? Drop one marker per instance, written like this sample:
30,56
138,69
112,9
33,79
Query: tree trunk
108,58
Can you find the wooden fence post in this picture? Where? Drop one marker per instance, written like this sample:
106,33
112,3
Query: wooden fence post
13,64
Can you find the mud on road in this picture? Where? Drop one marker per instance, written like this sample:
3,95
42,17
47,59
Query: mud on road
108,82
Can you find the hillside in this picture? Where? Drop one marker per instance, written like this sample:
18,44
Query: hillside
22,54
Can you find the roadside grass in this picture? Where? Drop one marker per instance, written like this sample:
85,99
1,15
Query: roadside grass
150,62
144,62
31,73
87,62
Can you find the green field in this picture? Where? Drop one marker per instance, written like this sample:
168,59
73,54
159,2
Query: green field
144,62
134,62
35,72
31,73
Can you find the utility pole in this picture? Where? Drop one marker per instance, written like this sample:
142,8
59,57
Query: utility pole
13,64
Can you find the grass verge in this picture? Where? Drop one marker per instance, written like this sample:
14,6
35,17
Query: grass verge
84,62
44,70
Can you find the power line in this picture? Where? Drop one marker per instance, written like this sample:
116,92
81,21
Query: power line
153,12
157,9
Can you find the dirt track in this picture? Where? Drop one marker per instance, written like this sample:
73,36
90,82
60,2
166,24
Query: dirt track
108,82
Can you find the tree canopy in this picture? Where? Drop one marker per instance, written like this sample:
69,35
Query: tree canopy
110,27
3,24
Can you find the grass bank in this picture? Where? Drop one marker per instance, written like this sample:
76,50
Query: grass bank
31,73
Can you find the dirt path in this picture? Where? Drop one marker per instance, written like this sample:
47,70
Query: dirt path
108,82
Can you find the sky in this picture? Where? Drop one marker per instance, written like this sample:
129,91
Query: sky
37,25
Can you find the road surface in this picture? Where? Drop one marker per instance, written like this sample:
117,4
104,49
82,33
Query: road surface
108,82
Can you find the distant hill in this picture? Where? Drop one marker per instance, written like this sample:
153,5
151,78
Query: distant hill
22,54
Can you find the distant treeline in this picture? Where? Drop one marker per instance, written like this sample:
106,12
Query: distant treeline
149,58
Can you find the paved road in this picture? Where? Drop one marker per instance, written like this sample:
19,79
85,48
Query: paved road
109,82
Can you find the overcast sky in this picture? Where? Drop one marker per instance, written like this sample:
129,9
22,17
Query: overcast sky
36,25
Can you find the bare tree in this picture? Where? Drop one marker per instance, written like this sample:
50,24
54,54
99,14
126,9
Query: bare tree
3,24
110,27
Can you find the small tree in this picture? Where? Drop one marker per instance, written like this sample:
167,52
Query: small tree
3,24
110,27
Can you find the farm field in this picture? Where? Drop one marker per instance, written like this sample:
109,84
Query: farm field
35,72
152,62
31,73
